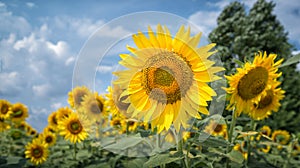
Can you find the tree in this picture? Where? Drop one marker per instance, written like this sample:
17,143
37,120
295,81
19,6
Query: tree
239,36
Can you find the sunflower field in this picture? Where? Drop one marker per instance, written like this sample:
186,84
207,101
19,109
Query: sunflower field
172,105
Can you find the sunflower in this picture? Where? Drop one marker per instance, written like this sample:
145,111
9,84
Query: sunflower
5,109
252,82
167,78
114,102
37,151
3,125
48,137
242,147
52,120
265,148
50,128
265,131
118,121
94,106
63,112
267,103
19,112
132,125
216,129
76,96
281,136
23,126
73,128
32,132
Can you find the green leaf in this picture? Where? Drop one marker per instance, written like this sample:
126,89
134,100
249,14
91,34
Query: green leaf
240,63
83,154
160,159
124,143
236,156
13,159
135,163
291,60
209,141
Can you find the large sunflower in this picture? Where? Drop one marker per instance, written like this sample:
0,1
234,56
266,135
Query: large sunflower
167,78
267,103
76,96
37,151
73,128
19,112
5,109
252,82
94,106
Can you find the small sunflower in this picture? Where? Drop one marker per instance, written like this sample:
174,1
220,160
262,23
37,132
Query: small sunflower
114,101
118,121
3,125
265,148
242,147
267,104
265,130
73,128
76,96
23,126
50,128
37,151
216,129
32,132
63,112
52,120
5,109
166,80
132,125
252,82
94,106
48,137
19,112
281,136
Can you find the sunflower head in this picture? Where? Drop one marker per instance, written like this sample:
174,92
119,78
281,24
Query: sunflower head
62,113
265,148
216,129
36,151
48,138
268,103
5,109
19,112
74,128
251,83
76,96
281,136
114,102
166,80
52,120
94,106
3,125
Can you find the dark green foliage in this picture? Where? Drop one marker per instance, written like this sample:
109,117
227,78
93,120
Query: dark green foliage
240,34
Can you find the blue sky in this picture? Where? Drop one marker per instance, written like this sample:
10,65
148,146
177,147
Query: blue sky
40,42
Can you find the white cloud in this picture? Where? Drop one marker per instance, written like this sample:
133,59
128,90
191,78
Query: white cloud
56,105
205,20
41,90
11,83
30,4
106,68
288,12
11,23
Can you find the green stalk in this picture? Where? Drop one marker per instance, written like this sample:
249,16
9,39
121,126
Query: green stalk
232,125
180,148
75,151
249,142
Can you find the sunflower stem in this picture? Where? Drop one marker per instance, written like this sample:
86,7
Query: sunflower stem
75,151
232,125
249,141
180,148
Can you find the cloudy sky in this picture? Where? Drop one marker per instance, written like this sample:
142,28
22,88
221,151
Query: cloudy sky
43,42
